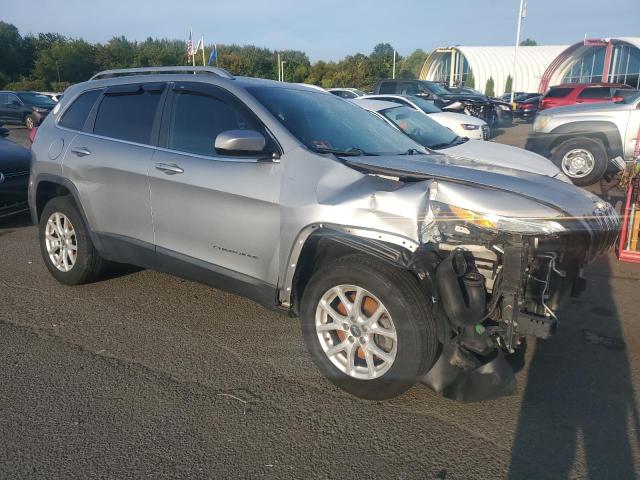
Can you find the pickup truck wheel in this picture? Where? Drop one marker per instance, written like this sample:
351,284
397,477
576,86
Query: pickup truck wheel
582,159
368,327
65,244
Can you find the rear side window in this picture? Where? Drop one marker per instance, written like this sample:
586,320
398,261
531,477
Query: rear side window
388,87
77,113
197,119
127,115
558,92
595,92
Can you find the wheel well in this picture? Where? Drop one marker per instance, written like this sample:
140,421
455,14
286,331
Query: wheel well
322,248
46,191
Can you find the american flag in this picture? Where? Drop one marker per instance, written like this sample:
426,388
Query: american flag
190,45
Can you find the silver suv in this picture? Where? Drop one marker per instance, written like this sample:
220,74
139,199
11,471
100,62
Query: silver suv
403,264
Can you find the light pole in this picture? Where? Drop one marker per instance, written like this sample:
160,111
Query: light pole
394,64
279,69
521,14
282,70
58,70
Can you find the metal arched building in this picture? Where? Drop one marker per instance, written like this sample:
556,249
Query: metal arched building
473,66
615,60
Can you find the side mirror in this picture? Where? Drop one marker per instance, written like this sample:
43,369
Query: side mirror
240,141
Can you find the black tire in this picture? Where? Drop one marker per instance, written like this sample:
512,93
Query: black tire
592,146
89,265
417,345
30,122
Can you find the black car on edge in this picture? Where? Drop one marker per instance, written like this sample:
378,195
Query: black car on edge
461,102
24,108
15,163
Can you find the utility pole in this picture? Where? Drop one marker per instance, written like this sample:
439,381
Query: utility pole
521,14
58,69
279,69
394,64
282,70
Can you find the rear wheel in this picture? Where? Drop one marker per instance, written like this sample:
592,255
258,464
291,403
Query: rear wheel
583,160
368,327
65,244
29,122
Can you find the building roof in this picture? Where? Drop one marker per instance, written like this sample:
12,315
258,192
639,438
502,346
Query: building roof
497,62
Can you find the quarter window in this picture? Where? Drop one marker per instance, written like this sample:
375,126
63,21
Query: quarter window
77,113
198,118
128,115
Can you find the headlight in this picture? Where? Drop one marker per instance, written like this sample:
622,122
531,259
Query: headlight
469,126
504,107
39,110
540,122
457,219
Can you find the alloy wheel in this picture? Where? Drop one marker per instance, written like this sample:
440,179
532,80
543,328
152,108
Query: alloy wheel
61,242
356,332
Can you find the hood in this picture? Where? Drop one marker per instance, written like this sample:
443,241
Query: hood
465,97
457,118
13,157
550,192
506,156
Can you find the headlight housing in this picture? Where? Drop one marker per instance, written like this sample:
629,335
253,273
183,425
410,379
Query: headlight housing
455,219
39,110
469,126
540,122
504,107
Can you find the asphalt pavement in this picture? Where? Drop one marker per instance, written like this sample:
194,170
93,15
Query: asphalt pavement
144,375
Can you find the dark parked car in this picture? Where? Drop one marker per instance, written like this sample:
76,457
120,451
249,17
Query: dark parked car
25,108
527,107
15,162
504,113
470,103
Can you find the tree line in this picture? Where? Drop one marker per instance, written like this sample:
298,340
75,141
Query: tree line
51,61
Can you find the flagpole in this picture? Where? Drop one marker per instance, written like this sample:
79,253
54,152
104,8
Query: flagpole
215,45
193,54
203,64
515,52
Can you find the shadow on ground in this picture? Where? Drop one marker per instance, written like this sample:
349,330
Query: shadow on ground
579,401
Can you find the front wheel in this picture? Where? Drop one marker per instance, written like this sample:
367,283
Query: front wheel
368,327
583,160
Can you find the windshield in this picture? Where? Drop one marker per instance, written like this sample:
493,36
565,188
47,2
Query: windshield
421,128
326,123
425,105
437,88
36,99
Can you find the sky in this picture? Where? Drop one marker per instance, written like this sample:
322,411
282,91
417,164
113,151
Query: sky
330,29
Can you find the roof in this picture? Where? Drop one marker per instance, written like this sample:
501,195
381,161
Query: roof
497,63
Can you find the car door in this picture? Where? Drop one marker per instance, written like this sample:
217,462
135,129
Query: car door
215,211
4,98
109,161
594,95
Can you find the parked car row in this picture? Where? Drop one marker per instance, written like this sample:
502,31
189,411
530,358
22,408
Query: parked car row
403,263
15,162
24,108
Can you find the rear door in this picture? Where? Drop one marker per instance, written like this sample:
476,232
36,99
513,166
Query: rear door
215,211
595,95
14,108
4,97
109,161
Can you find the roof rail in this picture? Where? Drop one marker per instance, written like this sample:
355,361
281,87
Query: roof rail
123,72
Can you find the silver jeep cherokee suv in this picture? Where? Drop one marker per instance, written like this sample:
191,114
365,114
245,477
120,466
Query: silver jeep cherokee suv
403,264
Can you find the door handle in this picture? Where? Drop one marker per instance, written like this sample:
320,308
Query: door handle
169,168
81,151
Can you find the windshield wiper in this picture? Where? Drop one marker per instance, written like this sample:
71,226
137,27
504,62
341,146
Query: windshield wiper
455,141
349,152
412,151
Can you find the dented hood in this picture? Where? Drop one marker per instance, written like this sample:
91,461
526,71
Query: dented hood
545,190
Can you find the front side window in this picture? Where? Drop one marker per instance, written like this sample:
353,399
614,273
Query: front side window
324,123
420,127
128,114
75,116
388,87
198,118
436,88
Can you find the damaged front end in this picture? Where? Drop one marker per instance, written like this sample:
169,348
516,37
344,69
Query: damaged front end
496,280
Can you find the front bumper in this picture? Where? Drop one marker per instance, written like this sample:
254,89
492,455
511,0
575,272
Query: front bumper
540,143
13,193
